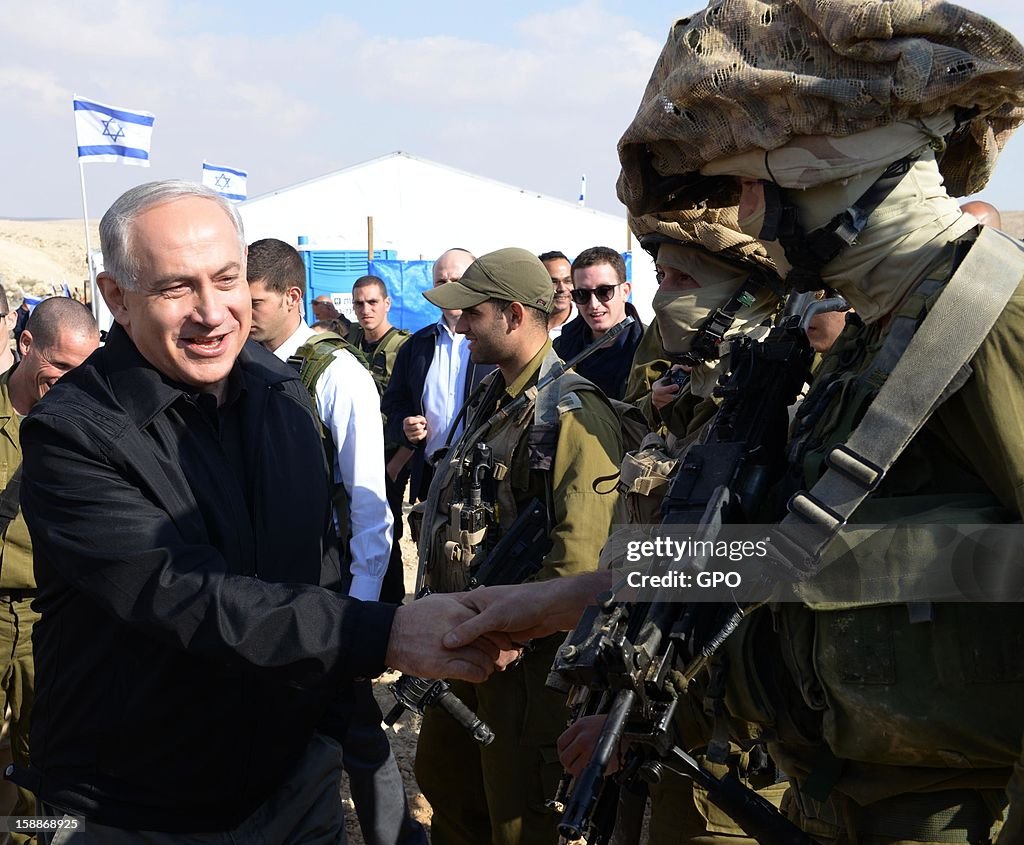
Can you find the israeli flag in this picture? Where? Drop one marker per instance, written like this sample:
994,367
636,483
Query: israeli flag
583,191
226,181
109,133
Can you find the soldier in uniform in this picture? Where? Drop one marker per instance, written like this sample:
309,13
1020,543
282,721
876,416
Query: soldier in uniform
554,449
894,719
375,337
379,342
60,334
843,130
701,267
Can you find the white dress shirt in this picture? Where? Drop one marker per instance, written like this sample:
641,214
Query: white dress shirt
445,385
349,407
555,332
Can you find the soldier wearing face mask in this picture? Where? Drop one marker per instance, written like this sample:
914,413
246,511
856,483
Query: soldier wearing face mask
850,127
895,713
670,378
698,279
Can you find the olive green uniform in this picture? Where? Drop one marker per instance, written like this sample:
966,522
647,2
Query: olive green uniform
681,813
17,590
649,365
898,727
497,793
381,360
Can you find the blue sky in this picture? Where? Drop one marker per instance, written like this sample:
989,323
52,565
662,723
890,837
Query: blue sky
529,93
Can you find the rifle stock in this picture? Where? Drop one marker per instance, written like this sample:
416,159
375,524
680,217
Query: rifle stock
516,557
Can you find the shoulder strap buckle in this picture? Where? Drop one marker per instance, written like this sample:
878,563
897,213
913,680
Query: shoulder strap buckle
866,474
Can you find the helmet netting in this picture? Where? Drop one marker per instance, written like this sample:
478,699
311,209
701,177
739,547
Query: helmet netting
744,74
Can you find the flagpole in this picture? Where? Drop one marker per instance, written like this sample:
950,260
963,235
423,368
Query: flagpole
88,244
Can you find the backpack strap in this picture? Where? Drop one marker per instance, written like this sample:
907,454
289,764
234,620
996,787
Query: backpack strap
383,356
394,338
933,366
316,355
311,360
549,406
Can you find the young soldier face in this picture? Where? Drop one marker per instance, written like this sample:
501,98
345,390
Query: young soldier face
371,305
487,330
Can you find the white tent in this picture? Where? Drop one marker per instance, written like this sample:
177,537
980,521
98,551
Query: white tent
420,208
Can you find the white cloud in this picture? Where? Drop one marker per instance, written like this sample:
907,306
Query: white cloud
90,30
535,104
33,92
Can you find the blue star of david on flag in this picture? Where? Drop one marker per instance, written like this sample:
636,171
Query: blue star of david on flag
229,182
113,130
109,133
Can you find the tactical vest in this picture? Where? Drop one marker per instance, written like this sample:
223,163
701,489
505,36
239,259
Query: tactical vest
447,550
311,360
647,471
382,361
909,691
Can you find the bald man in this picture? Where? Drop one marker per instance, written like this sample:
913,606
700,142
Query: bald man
984,212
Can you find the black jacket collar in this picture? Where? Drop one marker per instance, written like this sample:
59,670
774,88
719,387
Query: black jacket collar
144,392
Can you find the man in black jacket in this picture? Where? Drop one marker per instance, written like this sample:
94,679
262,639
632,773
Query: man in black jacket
601,293
176,493
432,365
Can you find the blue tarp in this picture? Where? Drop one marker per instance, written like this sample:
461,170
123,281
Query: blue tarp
406,281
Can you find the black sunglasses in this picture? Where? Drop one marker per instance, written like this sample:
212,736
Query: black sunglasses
581,296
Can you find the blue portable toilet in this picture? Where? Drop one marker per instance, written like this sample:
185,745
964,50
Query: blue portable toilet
334,271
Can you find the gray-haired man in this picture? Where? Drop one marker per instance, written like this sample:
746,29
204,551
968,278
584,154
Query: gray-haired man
176,494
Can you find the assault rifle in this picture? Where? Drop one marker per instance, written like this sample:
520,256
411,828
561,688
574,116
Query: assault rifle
517,556
631,661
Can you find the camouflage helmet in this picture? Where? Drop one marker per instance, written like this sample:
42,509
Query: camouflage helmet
747,75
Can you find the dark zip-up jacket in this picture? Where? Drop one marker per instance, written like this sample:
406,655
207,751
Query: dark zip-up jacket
185,652
607,368
404,397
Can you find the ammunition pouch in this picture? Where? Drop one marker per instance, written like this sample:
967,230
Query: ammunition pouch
644,478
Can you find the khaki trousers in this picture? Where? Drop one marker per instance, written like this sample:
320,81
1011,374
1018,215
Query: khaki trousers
497,793
17,683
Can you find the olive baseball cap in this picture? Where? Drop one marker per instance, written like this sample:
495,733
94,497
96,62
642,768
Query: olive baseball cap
511,274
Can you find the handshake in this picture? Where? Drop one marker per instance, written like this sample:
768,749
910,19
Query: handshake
470,635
